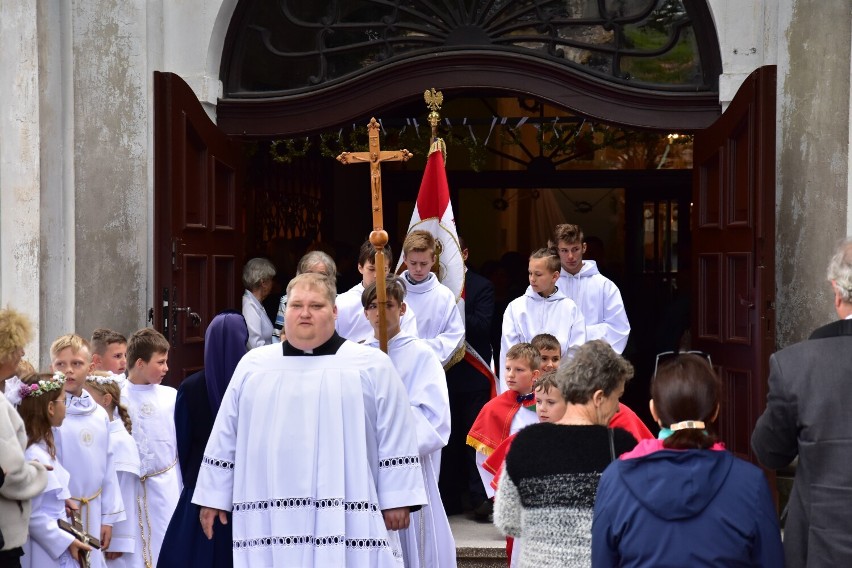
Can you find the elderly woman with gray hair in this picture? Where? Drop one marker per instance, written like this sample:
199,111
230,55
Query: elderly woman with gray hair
546,493
257,280
316,262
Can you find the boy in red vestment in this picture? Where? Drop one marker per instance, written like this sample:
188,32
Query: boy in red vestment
507,413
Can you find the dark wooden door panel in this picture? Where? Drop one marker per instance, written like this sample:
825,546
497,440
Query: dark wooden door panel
198,215
734,252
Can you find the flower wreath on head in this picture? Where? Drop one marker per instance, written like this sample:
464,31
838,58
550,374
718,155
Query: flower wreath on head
37,389
111,378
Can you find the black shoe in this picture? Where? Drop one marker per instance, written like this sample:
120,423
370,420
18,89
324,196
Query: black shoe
484,511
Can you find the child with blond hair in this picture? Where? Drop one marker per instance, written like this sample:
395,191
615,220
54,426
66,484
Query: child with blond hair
82,444
42,409
508,412
105,388
542,309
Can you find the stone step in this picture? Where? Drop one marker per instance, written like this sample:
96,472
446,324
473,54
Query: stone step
478,545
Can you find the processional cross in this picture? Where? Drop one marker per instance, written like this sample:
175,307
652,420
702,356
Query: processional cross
379,237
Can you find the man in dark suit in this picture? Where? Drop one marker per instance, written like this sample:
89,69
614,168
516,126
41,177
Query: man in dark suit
808,415
469,385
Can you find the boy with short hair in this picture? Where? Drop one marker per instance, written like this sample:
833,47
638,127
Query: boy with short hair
428,537
550,351
109,351
598,298
351,323
625,418
550,405
152,408
439,322
507,413
82,446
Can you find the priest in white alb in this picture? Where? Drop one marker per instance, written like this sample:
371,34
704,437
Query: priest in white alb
313,448
428,542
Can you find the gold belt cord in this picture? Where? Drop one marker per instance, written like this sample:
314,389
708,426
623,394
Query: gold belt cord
142,505
84,502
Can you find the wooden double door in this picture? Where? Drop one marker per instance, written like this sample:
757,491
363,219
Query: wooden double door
200,226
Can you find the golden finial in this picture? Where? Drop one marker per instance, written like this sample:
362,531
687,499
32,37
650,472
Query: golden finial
434,99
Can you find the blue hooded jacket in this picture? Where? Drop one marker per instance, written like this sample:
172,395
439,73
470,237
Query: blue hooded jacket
675,508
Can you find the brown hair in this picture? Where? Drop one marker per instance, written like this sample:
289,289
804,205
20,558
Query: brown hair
143,344
548,381
102,338
114,391
394,287
72,340
546,341
568,233
525,352
418,241
368,254
595,366
686,388
550,255
33,411
15,332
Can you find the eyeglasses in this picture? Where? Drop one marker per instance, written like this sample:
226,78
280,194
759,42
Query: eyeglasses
666,355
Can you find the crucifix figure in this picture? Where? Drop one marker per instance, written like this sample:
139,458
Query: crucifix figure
379,237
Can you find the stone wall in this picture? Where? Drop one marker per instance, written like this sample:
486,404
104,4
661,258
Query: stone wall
813,183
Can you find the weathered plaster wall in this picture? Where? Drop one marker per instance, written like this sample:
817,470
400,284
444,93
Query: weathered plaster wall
20,246
813,162
111,154
748,39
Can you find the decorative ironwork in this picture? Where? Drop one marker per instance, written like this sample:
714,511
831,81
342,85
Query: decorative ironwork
293,46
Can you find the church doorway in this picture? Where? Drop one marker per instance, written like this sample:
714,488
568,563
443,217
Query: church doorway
259,183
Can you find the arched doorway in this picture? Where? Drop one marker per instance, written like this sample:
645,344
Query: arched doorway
482,50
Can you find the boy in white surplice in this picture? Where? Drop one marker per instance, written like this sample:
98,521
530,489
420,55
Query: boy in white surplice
428,542
313,448
82,446
152,409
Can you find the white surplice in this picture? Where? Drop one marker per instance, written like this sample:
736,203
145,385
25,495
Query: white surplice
531,314
352,324
47,544
125,533
428,542
307,451
82,447
439,322
599,299
152,411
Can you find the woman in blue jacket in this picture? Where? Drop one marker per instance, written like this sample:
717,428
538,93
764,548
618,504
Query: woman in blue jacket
683,500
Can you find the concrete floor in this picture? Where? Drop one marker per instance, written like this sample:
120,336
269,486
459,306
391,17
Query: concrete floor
478,545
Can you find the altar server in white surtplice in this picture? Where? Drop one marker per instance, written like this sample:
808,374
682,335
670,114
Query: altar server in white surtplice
428,541
82,446
151,406
351,323
542,309
313,448
598,298
439,322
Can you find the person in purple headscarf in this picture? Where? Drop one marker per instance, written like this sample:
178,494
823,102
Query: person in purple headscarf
198,400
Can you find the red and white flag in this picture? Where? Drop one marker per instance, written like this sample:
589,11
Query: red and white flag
434,213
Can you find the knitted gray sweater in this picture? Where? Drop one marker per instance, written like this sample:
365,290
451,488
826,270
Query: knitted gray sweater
546,493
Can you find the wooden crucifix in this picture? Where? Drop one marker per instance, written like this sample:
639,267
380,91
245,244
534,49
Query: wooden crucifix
379,237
